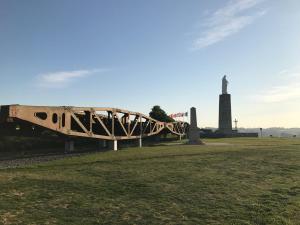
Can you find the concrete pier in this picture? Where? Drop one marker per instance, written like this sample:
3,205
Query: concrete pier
115,145
102,144
69,145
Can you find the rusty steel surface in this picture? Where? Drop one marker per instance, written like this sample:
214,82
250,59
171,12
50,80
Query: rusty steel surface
90,122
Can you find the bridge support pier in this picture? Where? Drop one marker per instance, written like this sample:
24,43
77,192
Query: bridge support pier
140,142
102,144
115,145
69,145
180,137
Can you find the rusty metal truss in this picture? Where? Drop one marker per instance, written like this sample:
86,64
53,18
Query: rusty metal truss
99,123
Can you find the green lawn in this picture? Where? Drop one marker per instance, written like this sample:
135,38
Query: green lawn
245,181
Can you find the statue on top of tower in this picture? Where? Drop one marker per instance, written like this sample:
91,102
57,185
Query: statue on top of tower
224,85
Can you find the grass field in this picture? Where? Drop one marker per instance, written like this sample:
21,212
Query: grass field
245,181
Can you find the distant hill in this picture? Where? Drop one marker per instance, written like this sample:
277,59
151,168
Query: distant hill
274,131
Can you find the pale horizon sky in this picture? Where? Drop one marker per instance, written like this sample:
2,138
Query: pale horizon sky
135,54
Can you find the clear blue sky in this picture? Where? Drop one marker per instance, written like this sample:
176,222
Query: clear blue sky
134,54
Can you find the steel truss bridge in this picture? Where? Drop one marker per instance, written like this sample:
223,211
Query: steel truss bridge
98,123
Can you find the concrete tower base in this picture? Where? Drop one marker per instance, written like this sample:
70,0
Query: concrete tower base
225,119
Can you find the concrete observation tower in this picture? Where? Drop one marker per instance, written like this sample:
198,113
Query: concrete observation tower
225,118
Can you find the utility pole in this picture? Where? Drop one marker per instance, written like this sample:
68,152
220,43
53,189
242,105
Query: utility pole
236,122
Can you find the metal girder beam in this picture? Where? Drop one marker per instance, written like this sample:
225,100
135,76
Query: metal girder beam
95,122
